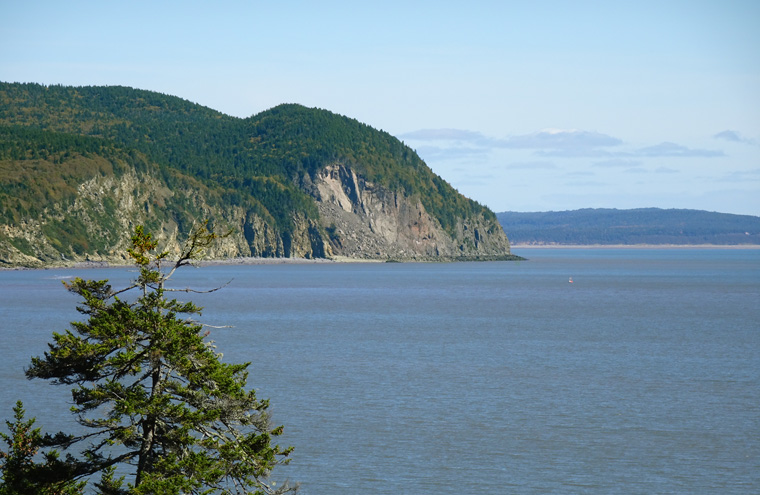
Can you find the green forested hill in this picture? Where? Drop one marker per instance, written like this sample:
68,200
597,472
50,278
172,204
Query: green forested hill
628,227
265,163
41,173
298,141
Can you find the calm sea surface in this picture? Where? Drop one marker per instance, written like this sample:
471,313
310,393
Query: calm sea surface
641,376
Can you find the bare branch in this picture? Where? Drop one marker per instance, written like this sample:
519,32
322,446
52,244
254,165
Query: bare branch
194,291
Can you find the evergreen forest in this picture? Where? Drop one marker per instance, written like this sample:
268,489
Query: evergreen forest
53,137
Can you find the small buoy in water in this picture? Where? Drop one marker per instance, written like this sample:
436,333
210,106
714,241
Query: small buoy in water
571,280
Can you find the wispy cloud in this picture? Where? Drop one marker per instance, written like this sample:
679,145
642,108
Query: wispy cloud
444,135
451,152
579,153
476,180
547,139
667,170
668,149
560,139
617,163
585,183
734,137
742,176
539,165
556,143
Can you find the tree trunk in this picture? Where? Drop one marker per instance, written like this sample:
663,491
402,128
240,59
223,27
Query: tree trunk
149,432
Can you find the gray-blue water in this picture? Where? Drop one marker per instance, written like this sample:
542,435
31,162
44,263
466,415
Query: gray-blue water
642,376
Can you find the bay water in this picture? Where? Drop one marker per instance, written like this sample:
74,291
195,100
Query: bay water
640,376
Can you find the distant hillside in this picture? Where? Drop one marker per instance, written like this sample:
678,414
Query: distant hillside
629,227
80,166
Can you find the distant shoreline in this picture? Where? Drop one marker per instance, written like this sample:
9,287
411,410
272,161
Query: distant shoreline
253,261
198,263
638,227
634,246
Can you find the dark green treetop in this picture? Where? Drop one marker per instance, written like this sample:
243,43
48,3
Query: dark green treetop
154,398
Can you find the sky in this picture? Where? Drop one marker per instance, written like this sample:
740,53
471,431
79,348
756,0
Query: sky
520,105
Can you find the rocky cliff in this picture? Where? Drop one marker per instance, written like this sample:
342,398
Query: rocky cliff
94,224
357,219
80,167
365,220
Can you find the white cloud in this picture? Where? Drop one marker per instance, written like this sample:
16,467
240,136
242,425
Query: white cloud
675,150
667,170
734,137
728,136
559,139
443,135
586,183
555,143
579,153
429,153
742,176
531,166
617,163
476,180
547,139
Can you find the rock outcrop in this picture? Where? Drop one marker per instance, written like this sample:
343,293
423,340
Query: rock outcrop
143,199
80,167
364,220
357,219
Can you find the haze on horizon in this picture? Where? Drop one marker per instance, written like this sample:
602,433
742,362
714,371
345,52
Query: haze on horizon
522,106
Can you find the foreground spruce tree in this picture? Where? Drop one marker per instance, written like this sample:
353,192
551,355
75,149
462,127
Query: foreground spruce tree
21,474
159,407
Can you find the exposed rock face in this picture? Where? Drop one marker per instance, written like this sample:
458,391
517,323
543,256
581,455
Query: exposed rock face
367,221
80,167
357,219
142,199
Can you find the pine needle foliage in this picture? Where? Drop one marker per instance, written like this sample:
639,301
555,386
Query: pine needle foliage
21,473
154,397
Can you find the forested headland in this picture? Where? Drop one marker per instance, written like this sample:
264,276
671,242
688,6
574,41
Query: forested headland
74,161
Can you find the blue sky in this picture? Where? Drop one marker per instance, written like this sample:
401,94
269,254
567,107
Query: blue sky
522,106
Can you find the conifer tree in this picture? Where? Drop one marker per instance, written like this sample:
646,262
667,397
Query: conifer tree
21,473
154,398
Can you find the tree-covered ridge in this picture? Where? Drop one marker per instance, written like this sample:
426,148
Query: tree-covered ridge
303,140
38,168
24,143
41,171
267,155
169,130
636,226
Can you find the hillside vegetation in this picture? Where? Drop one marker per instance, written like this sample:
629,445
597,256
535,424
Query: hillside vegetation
629,227
55,138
